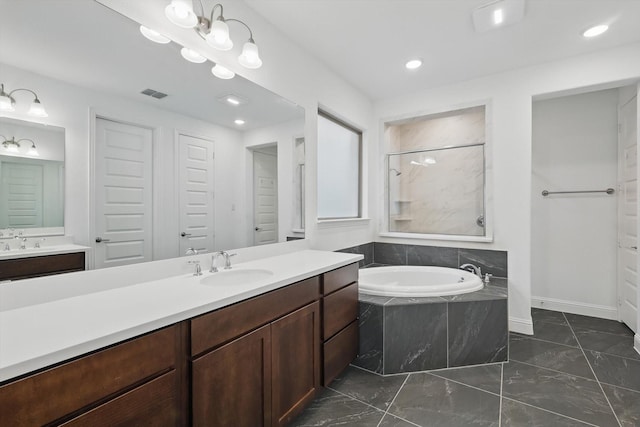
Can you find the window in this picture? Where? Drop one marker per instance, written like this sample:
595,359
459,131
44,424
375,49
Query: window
339,160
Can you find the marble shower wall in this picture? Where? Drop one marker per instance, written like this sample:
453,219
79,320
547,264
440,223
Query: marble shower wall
440,191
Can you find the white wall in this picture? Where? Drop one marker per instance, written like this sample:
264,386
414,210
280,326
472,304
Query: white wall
509,137
72,108
573,242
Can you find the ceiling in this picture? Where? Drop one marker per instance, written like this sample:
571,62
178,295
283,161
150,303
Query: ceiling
86,44
367,42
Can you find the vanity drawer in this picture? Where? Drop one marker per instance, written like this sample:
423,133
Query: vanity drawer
339,278
24,268
155,403
339,351
47,396
339,309
220,326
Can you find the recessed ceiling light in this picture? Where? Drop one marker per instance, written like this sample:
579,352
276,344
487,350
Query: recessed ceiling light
413,64
233,101
498,16
239,122
595,31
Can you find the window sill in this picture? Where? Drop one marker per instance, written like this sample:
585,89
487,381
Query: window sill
343,222
483,239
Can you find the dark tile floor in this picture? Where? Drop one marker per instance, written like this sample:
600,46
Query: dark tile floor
574,371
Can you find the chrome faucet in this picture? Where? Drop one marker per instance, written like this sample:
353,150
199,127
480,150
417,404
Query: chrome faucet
227,261
37,243
23,242
198,271
7,247
472,269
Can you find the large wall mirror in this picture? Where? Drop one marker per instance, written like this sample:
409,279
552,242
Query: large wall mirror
31,177
161,156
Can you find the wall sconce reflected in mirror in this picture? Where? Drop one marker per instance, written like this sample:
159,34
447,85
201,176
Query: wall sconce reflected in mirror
13,146
8,102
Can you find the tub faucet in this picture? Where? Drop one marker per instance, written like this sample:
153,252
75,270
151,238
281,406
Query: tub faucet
23,241
472,268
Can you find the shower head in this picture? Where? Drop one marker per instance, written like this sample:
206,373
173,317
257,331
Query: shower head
397,172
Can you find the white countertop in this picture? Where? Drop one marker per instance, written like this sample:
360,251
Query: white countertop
42,251
36,336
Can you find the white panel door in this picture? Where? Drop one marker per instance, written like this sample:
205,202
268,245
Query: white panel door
21,195
265,198
196,193
123,194
627,216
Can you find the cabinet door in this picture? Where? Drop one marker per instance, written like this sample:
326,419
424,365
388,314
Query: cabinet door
295,347
232,385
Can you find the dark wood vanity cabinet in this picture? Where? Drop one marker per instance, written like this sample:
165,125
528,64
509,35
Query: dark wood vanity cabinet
258,362
37,266
138,382
265,376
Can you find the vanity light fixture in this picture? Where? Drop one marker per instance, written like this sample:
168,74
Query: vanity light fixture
595,31
222,72
214,31
153,35
8,102
13,146
192,56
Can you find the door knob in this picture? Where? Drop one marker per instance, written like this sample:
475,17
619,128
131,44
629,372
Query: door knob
183,234
257,229
100,239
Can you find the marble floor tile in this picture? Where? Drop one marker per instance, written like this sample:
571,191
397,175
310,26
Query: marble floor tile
596,324
334,409
392,421
484,377
626,405
367,387
557,392
516,414
428,400
619,345
551,356
615,370
554,332
540,315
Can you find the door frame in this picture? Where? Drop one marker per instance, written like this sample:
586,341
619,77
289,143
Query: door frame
176,176
94,115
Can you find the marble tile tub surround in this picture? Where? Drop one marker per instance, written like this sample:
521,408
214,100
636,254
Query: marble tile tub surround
542,385
490,261
418,334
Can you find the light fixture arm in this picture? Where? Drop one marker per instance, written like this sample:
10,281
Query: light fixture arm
246,26
26,90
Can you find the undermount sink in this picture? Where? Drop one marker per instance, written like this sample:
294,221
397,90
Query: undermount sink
236,277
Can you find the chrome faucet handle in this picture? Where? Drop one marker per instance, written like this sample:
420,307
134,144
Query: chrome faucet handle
7,247
487,278
23,241
198,271
37,244
227,260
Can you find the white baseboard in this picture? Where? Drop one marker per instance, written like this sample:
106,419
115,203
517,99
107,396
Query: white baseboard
601,311
521,326
636,343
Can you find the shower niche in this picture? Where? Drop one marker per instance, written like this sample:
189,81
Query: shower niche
436,174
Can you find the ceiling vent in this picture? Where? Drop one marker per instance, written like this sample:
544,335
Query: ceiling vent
153,93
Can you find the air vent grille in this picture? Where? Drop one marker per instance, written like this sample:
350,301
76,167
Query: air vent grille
153,93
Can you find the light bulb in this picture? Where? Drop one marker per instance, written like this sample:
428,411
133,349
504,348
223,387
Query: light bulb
180,13
250,58
37,109
413,64
12,148
218,37
153,35
239,122
222,72
192,56
595,31
33,151
6,104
